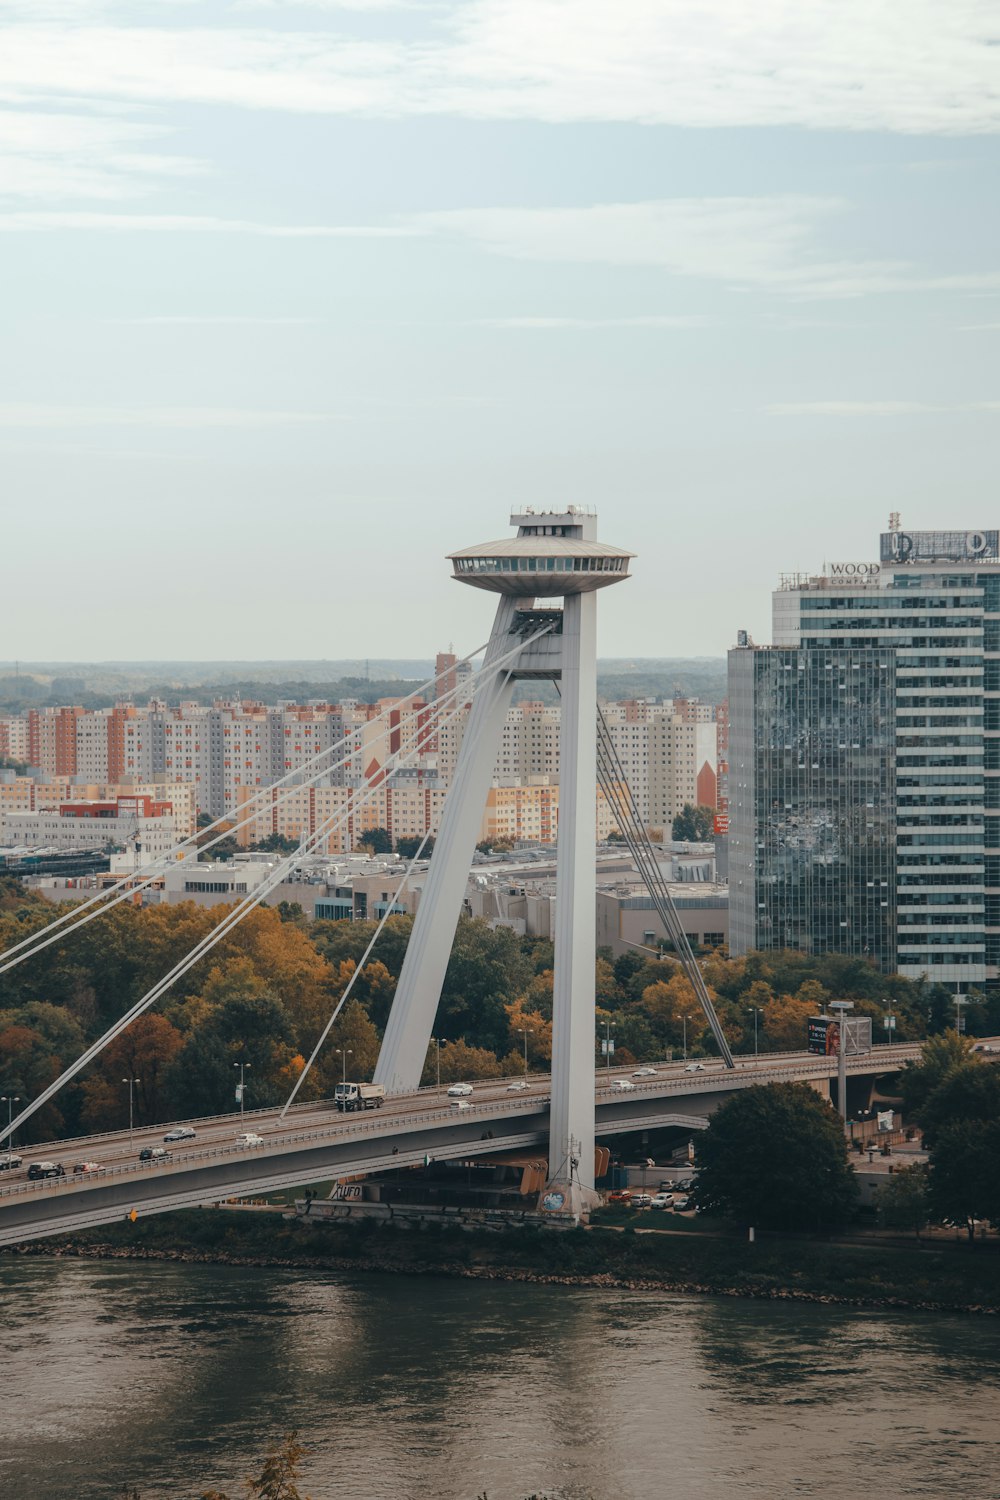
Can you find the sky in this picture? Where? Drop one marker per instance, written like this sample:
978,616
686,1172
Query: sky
300,295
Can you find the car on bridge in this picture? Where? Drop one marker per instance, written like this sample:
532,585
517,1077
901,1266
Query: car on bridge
179,1133
249,1138
460,1090
645,1073
46,1169
10,1162
623,1086
518,1086
86,1166
154,1153
695,1068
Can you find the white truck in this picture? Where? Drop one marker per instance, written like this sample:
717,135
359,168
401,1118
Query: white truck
351,1096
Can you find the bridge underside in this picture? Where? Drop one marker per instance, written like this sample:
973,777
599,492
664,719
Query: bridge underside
67,1206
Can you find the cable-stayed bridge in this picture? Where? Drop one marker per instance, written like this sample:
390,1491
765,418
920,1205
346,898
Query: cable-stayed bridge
313,1142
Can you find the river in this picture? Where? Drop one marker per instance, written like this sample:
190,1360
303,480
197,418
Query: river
174,1378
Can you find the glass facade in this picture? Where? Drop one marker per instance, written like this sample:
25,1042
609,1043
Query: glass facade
934,609
812,801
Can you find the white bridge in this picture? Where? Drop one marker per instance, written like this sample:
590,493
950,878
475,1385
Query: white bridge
316,1143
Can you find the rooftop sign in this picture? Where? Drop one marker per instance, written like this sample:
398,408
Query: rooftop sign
940,546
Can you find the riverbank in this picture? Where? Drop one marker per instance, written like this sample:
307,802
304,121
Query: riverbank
956,1279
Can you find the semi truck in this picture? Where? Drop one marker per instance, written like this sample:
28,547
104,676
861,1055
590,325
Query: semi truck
351,1096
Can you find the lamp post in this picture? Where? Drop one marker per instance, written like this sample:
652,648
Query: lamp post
131,1085
958,1002
756,1012
345,1053
437,1043
685,1019
10,1100
842,1007
241,1086
524,1032
609,1046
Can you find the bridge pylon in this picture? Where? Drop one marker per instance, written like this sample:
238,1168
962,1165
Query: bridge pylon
555,558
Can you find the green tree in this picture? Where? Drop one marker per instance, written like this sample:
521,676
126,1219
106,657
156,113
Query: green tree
774,1155
694,825
377,840
965,1173
903,1200
352,1033
940,1056
967,1093
407,847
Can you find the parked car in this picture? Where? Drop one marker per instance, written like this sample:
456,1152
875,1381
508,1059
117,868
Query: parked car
10,1162
623,1086
459,1090
86,1166
518,1086
645,1073
662,1200
641,1200
680,1203
46,1169
621,1196
179,1133
249,1138
154,1153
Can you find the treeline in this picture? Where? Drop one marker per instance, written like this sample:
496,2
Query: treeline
265,992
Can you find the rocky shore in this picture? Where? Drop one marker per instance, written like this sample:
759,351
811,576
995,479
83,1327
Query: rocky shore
758,1277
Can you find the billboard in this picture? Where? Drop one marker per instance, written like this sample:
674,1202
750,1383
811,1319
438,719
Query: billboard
939,546
823,1035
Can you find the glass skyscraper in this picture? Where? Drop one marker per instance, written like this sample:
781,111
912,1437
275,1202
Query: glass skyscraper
907,771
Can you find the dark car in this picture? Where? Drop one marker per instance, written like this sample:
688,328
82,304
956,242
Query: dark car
154,1153
9,1162
46,1169
179,1133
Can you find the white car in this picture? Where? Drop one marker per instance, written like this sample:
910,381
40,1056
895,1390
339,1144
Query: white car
460,1090
623,1086
518,1086
645,1073
695,1068
680,1202
249,1138
662,1200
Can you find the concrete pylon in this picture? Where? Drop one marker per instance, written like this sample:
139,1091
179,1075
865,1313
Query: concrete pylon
554,557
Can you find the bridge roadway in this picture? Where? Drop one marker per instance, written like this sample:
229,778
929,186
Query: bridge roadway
316,1143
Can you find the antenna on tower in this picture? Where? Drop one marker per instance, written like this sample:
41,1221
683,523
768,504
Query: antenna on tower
894,520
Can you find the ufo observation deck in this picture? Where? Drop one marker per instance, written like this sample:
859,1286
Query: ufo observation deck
541,566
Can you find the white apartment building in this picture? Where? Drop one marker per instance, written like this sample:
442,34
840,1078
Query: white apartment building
91,825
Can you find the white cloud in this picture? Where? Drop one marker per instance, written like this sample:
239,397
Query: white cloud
765,242
25,415
870,408
29,220
650,320
59,155
920,67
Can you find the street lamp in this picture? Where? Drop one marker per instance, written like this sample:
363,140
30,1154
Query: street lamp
524,1031
958,1002
609,1046
131,1084
345,1053
842,1006
756,1012
437,1042
241,1086
685,1019
10,1100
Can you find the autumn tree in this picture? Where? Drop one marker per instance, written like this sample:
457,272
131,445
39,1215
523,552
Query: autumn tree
538,1028
351,1048
144,1053
460,1062
785,1023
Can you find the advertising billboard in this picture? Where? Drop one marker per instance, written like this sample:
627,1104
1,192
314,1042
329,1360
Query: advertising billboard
823,1035
939,546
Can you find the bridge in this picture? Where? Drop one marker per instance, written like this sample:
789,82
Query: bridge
314,1142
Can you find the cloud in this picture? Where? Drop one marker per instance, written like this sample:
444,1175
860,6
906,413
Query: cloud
25,415
23,222
60,155
195,320
650,320
923,68
768,242
870,408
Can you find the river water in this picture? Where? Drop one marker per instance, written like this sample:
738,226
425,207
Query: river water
174,1378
